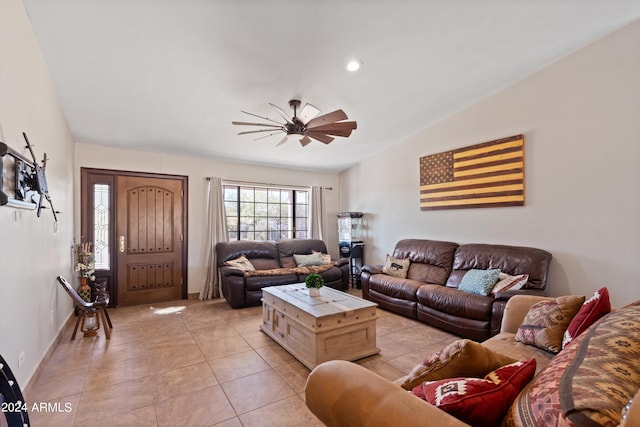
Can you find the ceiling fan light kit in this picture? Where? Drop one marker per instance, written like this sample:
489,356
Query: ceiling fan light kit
305,123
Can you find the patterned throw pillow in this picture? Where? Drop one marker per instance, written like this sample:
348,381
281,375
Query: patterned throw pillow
241,263
461,358
396,267
592,309
479,282
546,321
308,260
590,381
480,402
509,283
326,258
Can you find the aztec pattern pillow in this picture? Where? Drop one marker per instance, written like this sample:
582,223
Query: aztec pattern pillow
592,309
308,260
590,381
396,267
461,358
480,402
479,282
507,282
546,321
241,263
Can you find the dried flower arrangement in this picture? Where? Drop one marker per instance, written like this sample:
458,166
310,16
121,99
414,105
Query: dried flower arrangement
85,261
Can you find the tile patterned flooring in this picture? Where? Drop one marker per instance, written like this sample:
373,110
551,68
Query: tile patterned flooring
198,363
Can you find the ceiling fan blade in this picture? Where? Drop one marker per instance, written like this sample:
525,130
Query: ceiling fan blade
256,124
338,129
258,131
267,136
281,112
308,112
282,141
320,137
336,132
261,117
332,117
305,140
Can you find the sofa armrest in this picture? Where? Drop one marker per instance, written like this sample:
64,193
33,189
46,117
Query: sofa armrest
365,274
503,296
372,269
342,393
340,262
515,311
230,271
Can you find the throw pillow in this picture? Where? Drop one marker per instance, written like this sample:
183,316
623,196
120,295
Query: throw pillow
396,267
308,260
480,402
461,358
546,321
509,283
588,382
592,309
241,263
326,258
479,282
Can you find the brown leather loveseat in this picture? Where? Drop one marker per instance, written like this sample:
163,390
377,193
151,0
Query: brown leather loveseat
274,265
430,291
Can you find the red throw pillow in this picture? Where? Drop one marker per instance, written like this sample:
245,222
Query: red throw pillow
480,402
592,309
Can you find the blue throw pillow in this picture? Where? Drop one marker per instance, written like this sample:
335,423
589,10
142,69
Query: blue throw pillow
479,282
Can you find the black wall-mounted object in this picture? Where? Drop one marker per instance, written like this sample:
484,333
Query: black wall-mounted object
14,408
30,188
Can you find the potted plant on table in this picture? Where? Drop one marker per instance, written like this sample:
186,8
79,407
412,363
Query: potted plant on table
314,282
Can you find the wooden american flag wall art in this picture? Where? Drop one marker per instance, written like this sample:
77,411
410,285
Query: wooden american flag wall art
484,175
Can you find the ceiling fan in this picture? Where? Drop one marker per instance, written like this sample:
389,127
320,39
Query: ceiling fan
321,128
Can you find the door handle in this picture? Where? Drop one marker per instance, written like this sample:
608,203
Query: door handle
121,243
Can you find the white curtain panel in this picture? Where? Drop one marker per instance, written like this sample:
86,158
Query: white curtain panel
216,232
318,220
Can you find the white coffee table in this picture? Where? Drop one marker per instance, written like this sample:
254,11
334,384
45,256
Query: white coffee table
334,325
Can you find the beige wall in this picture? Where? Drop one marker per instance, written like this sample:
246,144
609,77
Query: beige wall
32,253
197,169
582,166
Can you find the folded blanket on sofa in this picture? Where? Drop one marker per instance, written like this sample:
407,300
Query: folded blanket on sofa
292,270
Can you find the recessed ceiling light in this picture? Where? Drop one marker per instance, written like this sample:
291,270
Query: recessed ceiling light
354,65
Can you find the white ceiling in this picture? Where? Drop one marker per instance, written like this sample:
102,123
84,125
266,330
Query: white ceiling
170,75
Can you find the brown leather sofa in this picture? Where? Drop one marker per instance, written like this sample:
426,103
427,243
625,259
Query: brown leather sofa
430,294
242,290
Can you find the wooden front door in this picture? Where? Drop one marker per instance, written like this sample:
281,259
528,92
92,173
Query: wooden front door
149,240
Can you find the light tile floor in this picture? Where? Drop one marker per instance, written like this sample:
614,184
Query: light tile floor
195,363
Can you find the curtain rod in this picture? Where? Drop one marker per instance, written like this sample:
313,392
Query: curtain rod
265,184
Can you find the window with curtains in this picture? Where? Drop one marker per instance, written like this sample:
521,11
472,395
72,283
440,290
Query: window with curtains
256,212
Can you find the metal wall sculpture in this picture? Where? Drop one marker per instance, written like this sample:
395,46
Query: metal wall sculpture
30,188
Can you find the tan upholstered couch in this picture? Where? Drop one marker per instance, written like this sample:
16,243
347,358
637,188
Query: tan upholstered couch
342,393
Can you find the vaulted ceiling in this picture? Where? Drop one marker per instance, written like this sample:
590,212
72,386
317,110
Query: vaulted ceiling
170,75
